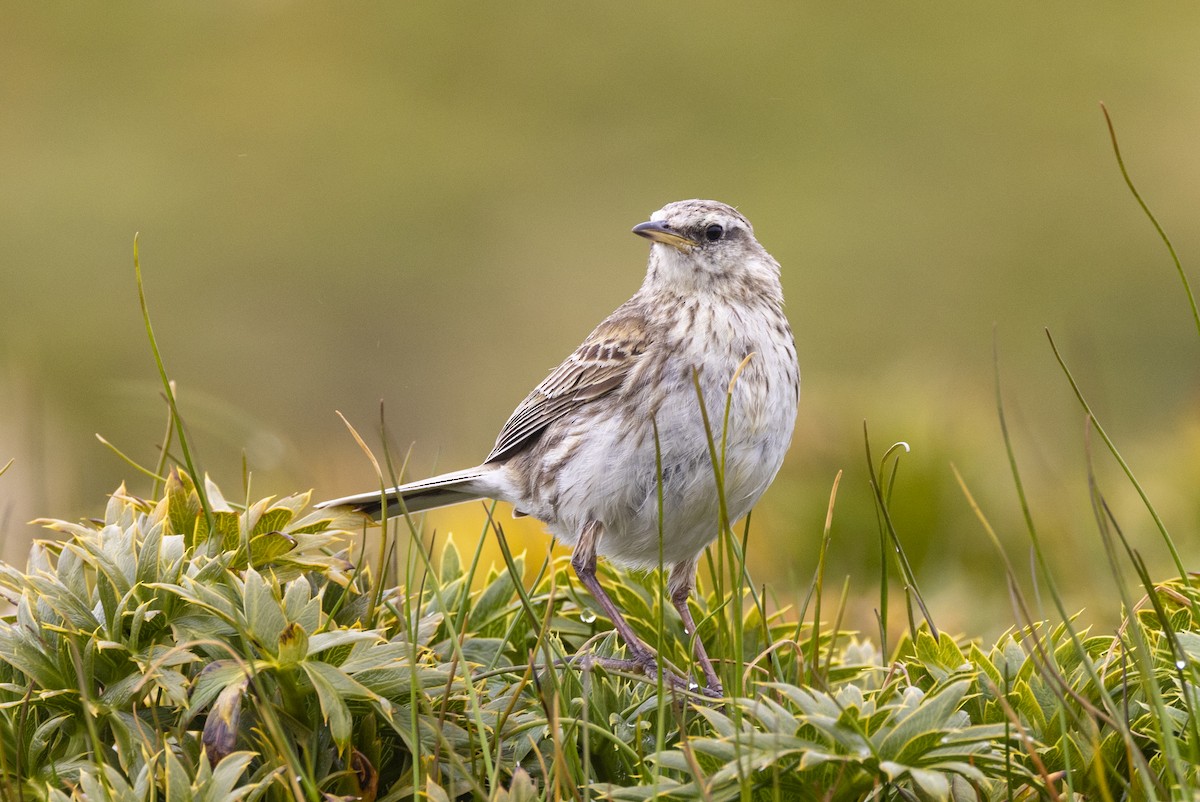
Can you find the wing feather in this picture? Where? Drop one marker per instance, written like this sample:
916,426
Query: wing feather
596,368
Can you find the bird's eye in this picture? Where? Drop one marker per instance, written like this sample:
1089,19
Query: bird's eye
713,233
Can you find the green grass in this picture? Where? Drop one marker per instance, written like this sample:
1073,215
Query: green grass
153,655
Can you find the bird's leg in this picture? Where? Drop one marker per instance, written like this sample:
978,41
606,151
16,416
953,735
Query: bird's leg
583,560
680,584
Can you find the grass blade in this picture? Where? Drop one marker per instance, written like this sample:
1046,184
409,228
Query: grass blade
1187,287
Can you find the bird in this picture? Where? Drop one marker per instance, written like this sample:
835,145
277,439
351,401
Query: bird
587,449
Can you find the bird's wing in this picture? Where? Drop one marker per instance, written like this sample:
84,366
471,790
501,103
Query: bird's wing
596,368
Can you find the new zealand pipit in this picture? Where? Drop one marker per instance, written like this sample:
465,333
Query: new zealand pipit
579,452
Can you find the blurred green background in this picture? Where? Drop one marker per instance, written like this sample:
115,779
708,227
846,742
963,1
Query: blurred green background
428,205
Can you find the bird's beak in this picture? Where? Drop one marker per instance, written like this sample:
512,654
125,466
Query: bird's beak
660,232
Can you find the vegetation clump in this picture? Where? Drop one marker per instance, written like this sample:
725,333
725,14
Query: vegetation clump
184,648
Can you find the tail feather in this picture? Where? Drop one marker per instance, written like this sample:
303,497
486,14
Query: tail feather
426,494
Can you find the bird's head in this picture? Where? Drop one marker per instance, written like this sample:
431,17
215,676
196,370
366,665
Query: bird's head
702,244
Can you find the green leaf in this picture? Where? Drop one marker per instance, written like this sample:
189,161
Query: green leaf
73,609
396,683
213,679
1029,707
949,654
451,567
340,637
264,614
269,546
815,757
367,655
932,713
120,693
435,792
722,751
926,646
273,520
521,789
721,723
771,716
333,687
175,778
227,528
940,656
985,666
183,506
301,606
1190,643
493,598
114,786
19,648
216,499
149,555
933,784
293,645
221,785
1010,659
46,732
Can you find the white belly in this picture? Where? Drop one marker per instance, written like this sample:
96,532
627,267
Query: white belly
614,477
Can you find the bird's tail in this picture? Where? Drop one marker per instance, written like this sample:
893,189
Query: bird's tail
426,494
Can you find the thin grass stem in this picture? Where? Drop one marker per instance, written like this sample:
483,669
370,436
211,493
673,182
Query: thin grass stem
1187,287
1112,448
169,389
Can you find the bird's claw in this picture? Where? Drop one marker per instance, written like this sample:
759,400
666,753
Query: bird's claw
647,664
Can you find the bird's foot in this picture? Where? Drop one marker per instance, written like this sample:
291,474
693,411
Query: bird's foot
648,663
642,663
